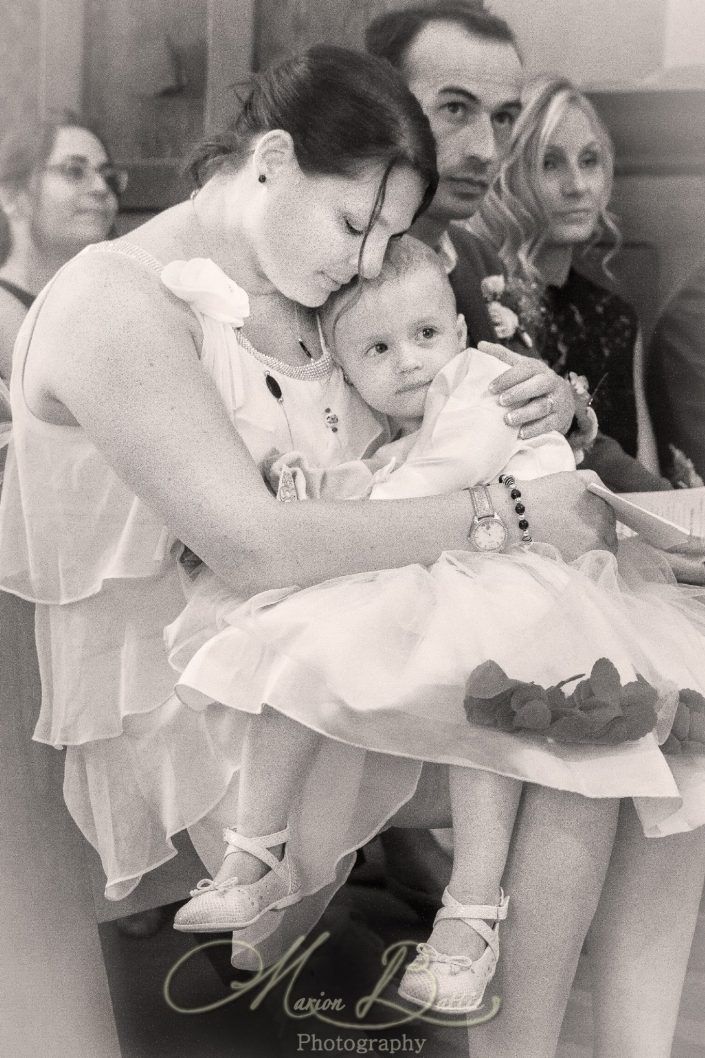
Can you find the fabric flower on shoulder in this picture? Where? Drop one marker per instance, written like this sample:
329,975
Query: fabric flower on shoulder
206,288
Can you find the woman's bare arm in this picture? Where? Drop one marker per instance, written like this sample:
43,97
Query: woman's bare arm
123,361
12,313
647,453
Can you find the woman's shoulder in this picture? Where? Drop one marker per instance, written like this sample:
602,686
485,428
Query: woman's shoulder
110,281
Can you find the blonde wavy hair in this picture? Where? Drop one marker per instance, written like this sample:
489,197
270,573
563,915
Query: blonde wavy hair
513,217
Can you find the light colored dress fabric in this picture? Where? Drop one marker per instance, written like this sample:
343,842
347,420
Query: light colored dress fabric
102,568
379,661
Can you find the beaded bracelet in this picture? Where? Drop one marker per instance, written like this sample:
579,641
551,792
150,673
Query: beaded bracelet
510,483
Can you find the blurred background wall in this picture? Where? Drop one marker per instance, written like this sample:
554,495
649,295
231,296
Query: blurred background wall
153,74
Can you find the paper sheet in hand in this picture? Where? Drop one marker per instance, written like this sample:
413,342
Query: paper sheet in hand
673,520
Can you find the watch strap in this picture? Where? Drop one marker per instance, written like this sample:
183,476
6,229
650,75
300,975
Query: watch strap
482,504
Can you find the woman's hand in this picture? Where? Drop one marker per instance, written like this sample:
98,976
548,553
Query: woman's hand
536,397
562,512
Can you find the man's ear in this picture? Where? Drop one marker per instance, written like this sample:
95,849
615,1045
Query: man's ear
461,328
273,155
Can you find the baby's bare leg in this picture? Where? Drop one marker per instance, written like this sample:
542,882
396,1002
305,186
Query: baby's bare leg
275,759
484,808
555,872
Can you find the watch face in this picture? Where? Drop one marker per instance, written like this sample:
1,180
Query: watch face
488,534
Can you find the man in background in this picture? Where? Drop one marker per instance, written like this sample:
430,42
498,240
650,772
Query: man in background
676,375
463,65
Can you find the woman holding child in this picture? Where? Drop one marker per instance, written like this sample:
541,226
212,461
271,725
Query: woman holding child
124,444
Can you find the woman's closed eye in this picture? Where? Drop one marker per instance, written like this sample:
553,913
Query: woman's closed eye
352,229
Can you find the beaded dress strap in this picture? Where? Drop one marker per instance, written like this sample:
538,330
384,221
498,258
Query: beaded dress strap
128,249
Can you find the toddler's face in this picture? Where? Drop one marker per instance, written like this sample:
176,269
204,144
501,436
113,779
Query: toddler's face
395,339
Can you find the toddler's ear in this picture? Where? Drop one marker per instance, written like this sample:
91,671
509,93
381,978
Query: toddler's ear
461,328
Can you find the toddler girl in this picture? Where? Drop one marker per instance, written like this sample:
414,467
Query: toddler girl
472,662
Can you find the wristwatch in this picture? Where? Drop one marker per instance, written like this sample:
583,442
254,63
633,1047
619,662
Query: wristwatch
487,531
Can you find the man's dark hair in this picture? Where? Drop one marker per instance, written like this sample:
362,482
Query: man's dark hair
390,35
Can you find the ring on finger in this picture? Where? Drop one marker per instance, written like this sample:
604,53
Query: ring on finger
550,404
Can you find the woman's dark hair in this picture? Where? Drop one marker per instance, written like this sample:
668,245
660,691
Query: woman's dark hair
343,110
390,35
24,151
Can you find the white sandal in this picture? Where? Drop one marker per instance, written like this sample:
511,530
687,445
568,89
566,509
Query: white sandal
228,905
455,984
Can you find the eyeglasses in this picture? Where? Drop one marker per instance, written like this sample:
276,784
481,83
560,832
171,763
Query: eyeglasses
80,171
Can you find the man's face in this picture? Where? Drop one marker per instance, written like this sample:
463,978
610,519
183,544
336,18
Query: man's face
469,89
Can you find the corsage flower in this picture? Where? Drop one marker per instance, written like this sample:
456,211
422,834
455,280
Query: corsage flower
599,711
688,730
206,288
492,287
504,304
582,437
504,320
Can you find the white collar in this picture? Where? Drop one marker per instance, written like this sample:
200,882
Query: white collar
447,252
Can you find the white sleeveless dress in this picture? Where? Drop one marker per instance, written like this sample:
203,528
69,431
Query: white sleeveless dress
102,569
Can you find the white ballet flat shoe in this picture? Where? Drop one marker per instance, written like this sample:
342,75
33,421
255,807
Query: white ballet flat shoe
455,984
228,905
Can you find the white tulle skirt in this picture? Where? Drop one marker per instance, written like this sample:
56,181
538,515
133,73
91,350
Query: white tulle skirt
379,663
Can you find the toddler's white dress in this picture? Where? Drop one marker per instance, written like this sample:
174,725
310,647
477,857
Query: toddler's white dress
380,661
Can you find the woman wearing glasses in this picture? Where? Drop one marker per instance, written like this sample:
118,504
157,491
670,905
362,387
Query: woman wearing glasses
58,193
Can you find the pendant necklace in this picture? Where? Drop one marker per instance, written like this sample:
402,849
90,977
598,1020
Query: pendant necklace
273,386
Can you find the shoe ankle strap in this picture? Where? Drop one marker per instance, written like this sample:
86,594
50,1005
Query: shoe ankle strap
257,846
452,908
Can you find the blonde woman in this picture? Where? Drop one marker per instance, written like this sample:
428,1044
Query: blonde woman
548,204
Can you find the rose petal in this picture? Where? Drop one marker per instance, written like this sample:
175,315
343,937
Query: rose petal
605,681
671,745
681,723
693,699
526,692
534,715
488,680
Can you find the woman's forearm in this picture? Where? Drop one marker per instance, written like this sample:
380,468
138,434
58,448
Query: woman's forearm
305,543
164,430
647,453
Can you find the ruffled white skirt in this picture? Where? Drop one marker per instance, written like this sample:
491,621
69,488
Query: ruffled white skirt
379,664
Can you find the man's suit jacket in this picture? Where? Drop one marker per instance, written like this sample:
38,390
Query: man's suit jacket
676,373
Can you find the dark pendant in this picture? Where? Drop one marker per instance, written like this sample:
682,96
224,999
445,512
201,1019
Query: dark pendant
273,387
